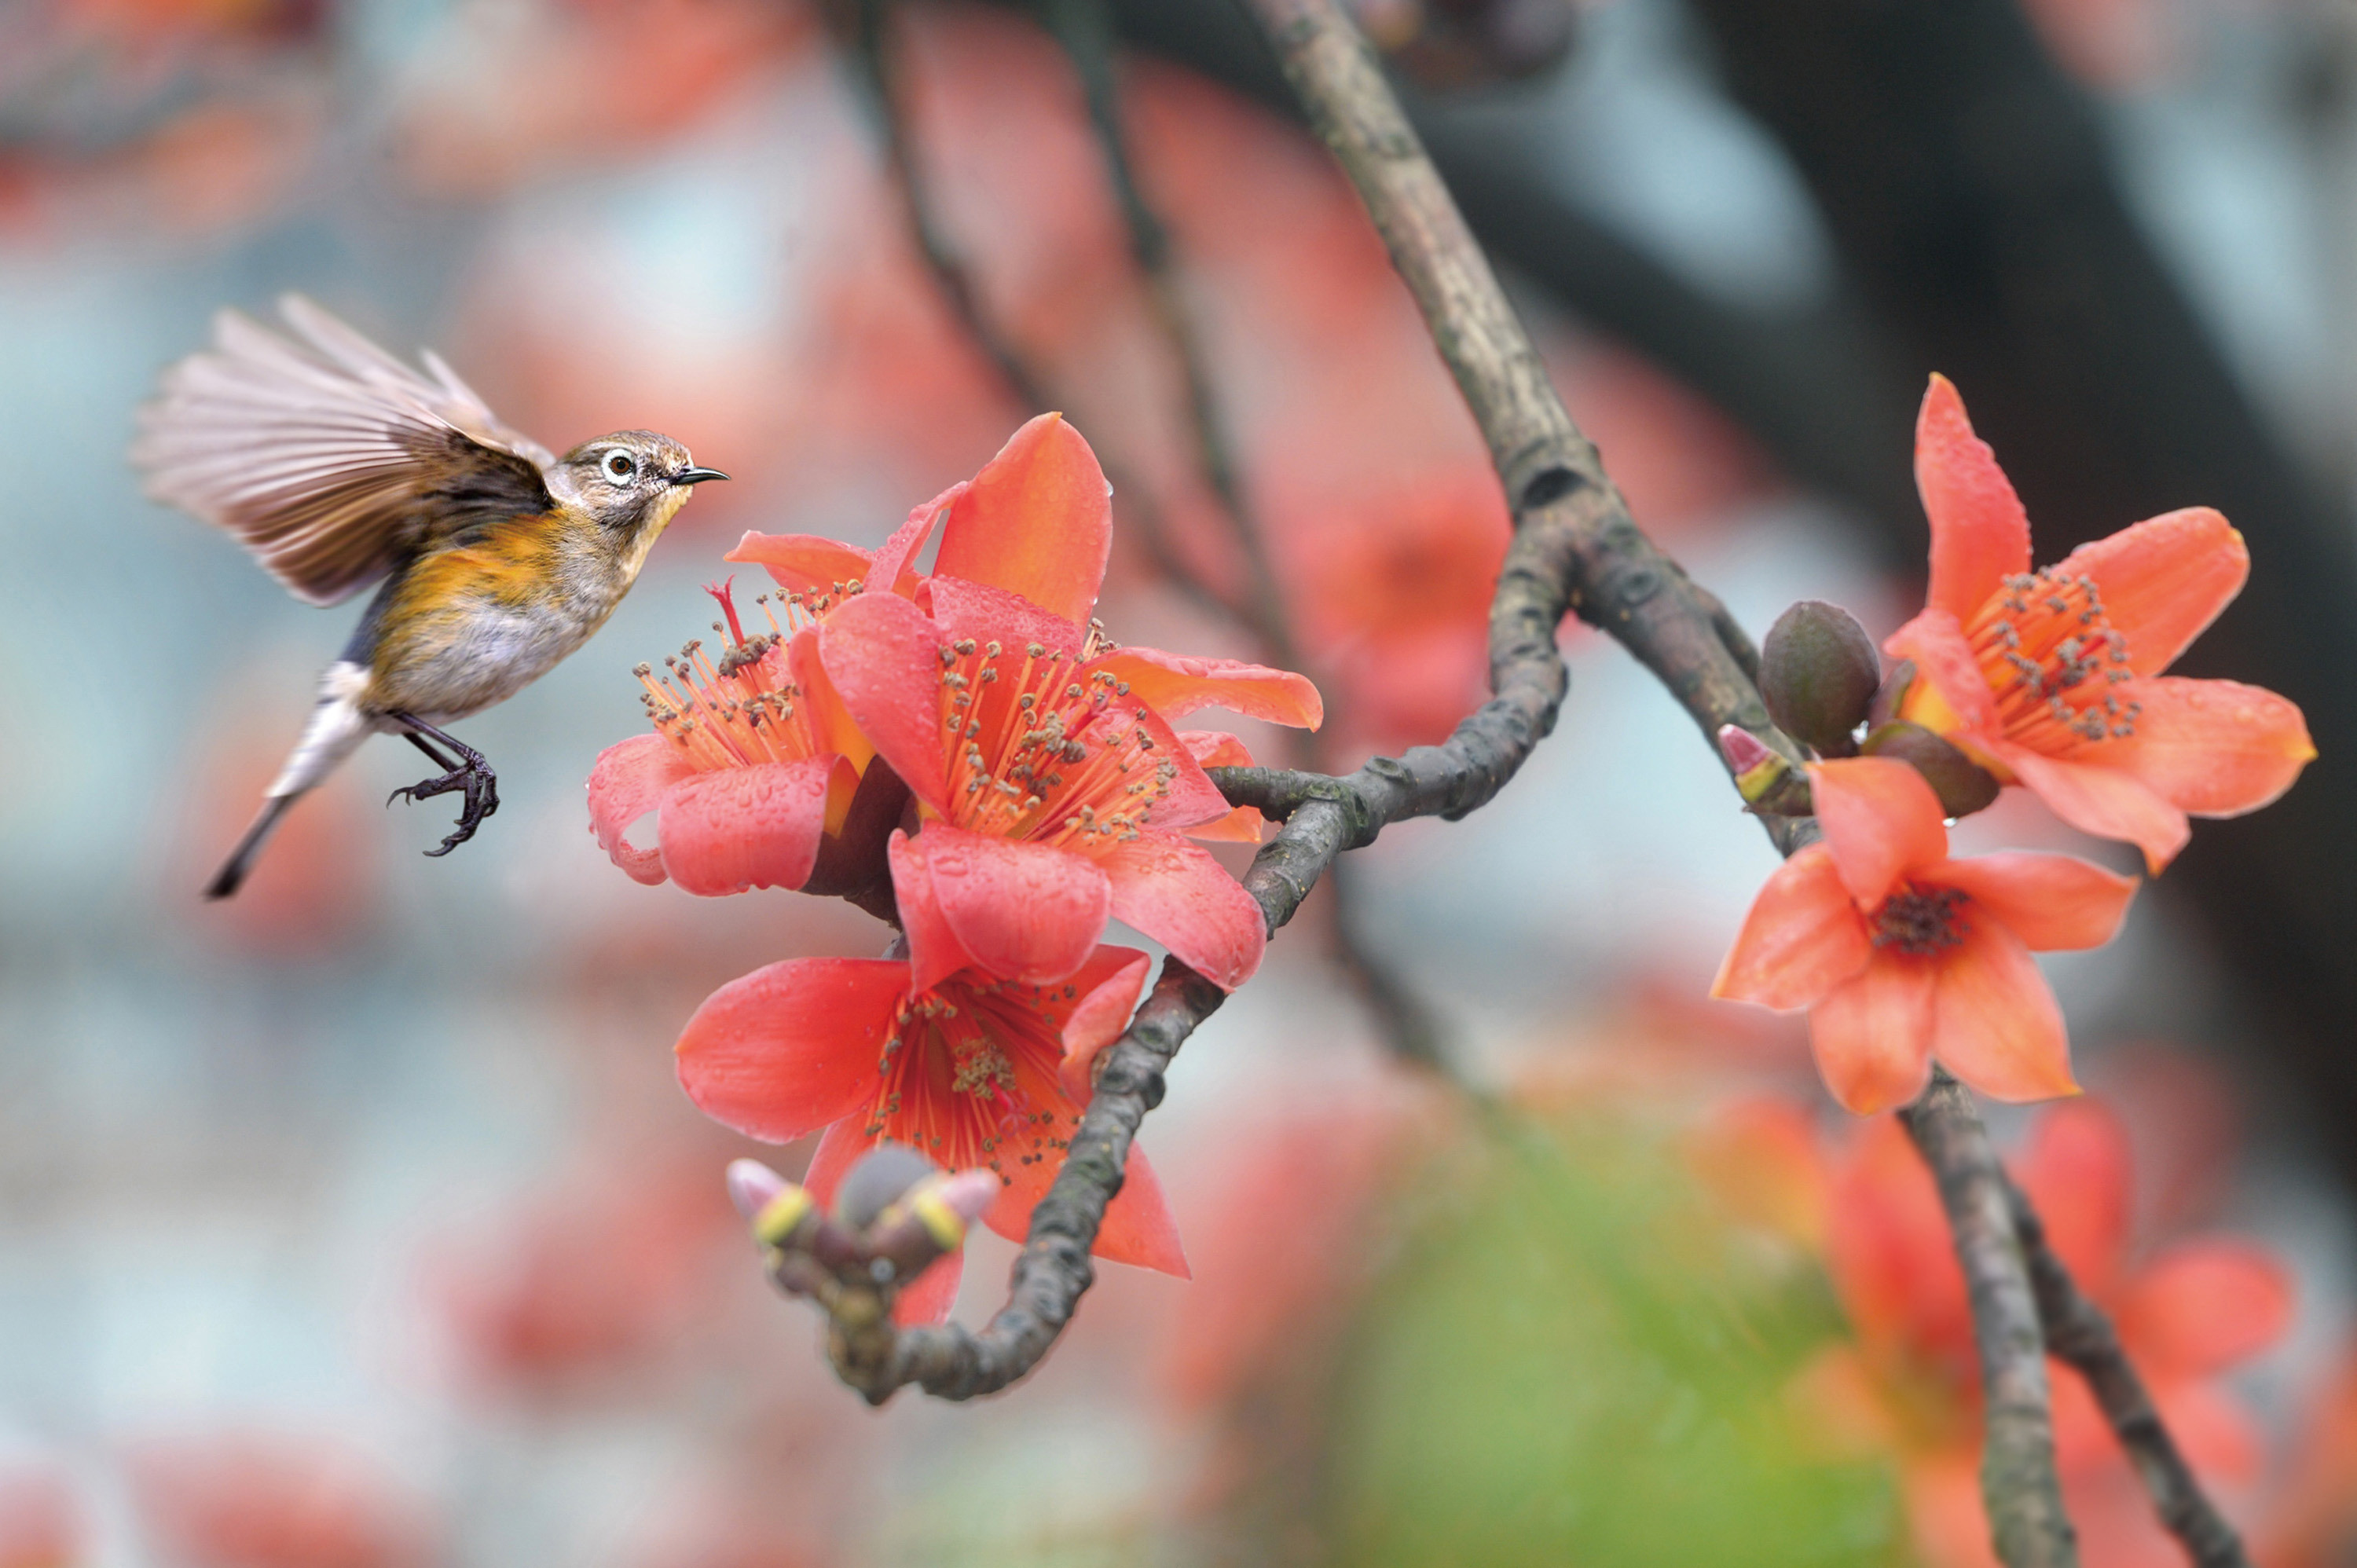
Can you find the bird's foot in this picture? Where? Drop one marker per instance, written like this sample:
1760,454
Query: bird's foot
474,776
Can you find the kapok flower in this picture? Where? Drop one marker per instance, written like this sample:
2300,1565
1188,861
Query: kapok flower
1035,522
1903,956
2185,1313
753,769
2051,679
1053,792
970,1070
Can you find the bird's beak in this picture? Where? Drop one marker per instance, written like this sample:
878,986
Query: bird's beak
696,476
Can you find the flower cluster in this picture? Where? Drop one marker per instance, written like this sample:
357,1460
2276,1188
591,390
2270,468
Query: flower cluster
970,739
2048,679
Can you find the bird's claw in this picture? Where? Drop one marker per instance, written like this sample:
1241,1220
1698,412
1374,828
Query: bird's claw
483,789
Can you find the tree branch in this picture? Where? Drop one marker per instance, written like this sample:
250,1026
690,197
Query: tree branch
2078,1332
2017,1480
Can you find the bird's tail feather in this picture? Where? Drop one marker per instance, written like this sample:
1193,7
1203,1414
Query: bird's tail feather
241,859
336,728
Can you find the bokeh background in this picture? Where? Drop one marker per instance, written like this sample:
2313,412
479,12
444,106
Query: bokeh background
360,1223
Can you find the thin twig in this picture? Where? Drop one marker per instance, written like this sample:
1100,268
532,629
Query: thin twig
2078,1332
1085,28
2018,1478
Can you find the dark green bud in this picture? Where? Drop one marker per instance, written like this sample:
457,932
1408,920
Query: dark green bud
1818,672
1963,786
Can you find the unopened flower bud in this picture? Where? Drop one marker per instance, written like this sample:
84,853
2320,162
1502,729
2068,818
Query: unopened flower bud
1767,779
876,1182
928,1222
1818,672
1963,786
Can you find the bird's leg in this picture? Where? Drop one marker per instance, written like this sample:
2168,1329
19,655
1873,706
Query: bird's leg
472,773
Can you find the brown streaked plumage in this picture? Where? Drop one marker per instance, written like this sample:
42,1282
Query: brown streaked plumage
338,466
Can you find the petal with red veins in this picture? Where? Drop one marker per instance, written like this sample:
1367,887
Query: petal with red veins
1189,796
934,951
987,614
1980,535
1996,1023
802,562
2109,802
1026,911
1037,521
1109,985
1935,641
790,1047
2051,902
1179,896
1175,686
1803,937
1137,1228
630,779
2163,579
2202,1307
883,656
2211,748
759,826
1881,821
1872,1035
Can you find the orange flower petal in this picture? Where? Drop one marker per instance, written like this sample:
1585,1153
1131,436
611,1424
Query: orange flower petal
2205,1305
1943,659
1137,1227
1880,820
2076,1169
1979,533
1803,937
2106,801
1176,893
802,562
1217,748
631,778
1038,520
2163,579
934,951
1996,1023
758,826
2050,901
1175,685
2212,749
883,656
790,1047
1109,985
1026,911
1872,1035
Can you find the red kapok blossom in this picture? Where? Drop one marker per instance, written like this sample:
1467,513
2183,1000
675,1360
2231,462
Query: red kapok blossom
2052,678
972,1070
1054,791
753,770
1038,520
2185,1313
1902,955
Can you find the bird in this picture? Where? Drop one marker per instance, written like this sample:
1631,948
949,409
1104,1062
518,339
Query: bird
337,467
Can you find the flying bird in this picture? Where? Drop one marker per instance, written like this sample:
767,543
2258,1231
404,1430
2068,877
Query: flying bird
338,466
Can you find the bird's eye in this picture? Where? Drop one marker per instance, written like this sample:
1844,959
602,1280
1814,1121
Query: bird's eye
621,466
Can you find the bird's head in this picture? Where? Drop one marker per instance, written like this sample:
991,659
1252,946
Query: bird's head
629,483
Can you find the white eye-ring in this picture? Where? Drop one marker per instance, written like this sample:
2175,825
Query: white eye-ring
622,468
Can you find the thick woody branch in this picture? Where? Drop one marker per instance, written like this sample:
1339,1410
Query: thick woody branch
2079,1333
2018,1479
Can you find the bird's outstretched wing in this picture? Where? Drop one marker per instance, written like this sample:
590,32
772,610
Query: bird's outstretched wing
328,459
